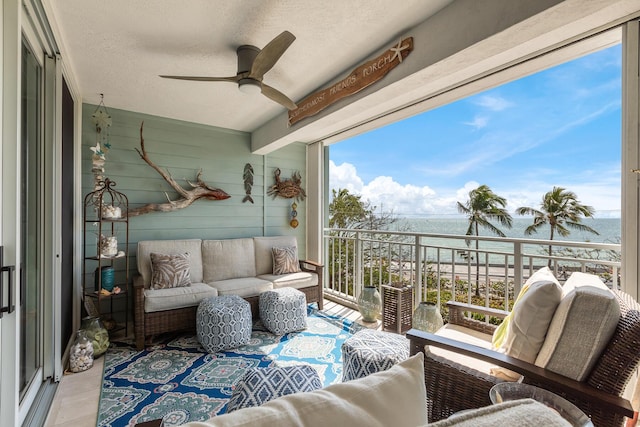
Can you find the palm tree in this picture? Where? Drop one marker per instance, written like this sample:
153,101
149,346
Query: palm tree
482,207
559,208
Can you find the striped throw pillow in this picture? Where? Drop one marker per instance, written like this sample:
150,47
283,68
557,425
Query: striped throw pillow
170,271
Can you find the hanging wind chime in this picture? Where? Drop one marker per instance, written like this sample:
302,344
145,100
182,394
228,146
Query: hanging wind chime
102,120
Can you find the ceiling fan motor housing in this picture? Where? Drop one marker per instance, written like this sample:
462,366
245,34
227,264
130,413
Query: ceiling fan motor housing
246,55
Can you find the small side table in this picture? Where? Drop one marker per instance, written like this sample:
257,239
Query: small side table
397,308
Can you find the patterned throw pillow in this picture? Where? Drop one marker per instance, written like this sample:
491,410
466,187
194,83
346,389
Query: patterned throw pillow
285,260
260,385
170,271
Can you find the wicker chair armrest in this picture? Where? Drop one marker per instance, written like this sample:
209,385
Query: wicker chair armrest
457,316
138,282
419,339
459,306
310,265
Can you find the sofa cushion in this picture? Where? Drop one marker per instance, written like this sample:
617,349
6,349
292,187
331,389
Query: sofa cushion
521,413
192,246
531,315
395,397
582,326
173,298
228,259
263,254
298,280
244,287
169,271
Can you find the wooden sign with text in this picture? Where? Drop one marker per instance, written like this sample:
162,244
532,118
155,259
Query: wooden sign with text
363,76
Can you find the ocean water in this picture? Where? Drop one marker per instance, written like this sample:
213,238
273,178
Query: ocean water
609,229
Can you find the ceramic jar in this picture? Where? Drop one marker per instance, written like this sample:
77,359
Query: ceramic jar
427,317
97,333
369,303
81,354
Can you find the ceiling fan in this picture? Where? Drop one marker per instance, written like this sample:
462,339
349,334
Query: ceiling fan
253,63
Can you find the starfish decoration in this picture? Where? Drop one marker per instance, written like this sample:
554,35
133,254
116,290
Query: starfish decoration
107,145
398,51
97,151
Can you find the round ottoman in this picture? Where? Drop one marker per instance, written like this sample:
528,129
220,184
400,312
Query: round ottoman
369,351
223,323
283,310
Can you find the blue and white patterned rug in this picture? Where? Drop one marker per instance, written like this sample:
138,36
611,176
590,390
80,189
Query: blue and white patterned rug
181,380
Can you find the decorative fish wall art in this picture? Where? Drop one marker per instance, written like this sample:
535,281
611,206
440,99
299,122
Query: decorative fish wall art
248,182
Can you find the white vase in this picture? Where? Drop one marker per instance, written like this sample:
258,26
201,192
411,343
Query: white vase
427,317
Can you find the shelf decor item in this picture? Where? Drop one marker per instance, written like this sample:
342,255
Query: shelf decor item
369,303
427,317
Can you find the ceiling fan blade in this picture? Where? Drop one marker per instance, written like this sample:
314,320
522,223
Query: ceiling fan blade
233,79
270,54
277,96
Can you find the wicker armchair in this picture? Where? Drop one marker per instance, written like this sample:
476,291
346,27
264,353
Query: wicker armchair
452,387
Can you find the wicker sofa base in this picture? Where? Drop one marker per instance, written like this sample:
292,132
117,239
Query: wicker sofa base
184,319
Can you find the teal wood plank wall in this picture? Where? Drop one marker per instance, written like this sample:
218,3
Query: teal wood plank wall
183,148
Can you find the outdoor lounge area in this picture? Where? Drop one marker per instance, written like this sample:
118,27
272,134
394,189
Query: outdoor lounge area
171,246
457,370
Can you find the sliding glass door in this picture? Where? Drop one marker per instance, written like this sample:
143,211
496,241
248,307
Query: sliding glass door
30,273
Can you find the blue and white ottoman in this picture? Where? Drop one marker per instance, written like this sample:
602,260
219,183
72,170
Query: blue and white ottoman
369,351
260,385
223,323
283,310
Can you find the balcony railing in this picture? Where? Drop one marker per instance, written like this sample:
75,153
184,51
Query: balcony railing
443,266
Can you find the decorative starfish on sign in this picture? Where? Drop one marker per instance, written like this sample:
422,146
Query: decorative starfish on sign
398,49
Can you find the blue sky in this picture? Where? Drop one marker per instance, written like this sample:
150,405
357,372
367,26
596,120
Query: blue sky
561,127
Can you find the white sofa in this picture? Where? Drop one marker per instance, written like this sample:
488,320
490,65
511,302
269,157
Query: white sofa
242,267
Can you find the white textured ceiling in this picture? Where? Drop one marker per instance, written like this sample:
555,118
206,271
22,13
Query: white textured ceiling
118,48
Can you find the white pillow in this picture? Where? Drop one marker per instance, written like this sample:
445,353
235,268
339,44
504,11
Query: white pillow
531,316
395,397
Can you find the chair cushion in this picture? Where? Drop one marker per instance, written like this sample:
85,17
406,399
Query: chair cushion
228,259
173,298
260,385
531,315
301,279
466,335
581,327
285,260
395,397
169,271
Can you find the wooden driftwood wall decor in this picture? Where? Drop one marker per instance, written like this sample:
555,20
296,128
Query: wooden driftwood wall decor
287,188
199,189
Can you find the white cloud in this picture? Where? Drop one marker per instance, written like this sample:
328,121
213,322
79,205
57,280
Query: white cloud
493,103
345,176
478,122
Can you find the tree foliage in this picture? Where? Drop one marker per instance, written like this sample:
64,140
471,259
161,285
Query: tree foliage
482,207
562,211
348,210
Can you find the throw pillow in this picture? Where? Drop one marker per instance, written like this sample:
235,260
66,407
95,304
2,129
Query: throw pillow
285,260
260,385
362,402
531,316
501,331
170,271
